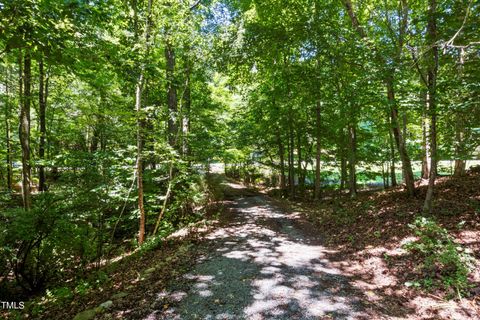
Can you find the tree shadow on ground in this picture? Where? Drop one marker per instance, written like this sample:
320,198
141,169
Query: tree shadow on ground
265,265
371,230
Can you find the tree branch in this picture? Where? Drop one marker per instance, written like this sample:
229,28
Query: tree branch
415,61
450,42
353,17
196,4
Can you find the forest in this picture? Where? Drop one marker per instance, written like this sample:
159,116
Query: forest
239,159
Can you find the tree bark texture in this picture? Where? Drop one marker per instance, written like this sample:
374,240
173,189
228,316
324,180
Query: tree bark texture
24,129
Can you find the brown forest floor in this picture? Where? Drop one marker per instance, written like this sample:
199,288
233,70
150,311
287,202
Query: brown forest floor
367,235
363,239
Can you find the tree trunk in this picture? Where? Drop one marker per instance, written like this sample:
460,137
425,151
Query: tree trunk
318,154
186,108
291,169
139,164
95,140
7,131
460,167
432,70
42,105
343,170
352,160
426,158
432,146
318,114
301,178
140,130
281,153
171,95
460,164
24,132
400,141
384,176
393,175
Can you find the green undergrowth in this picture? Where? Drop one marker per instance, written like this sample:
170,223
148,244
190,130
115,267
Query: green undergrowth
84,288
56,249
443,263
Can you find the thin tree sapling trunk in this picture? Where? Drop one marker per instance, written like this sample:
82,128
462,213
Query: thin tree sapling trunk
352,160
281,154
318,154
42,105
460,164
432,70
291,169
186,109
7,131
301,178
171,95
24,129
426,158
393,175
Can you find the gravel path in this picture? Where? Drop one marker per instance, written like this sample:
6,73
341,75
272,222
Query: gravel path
263,264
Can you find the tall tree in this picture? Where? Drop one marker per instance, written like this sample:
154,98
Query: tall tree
42,106
171,88
389,80
24,93
431,82
141,121
318,152
8,144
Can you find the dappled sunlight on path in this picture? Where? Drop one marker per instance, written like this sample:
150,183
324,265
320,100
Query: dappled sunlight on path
262,266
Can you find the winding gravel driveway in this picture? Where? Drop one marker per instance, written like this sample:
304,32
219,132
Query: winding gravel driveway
263,264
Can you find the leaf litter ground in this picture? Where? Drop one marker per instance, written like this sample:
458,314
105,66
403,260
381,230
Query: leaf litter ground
273,259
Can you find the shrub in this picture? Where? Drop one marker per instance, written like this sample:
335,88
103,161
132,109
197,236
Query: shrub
41,243
445,263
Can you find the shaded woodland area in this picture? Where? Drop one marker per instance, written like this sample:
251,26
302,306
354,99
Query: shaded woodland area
121,118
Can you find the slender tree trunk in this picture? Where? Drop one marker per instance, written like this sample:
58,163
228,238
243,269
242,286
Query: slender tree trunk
186,108
426,158
342,150
7,131
171,95
387,177
460,164
432,146
291,168
393,175
400,141
404,135
289,164
97,134
95,140
139,163
352,160
318,113
432,71
42,105
140,129
301,178
24,132
343,171
281,154
384,175
318,154
148,140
